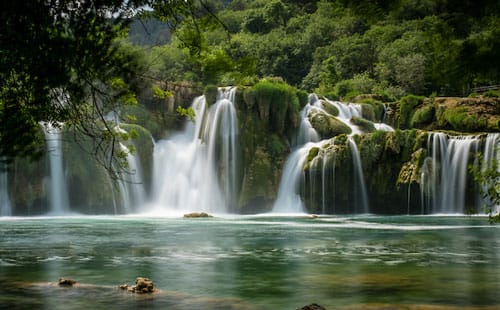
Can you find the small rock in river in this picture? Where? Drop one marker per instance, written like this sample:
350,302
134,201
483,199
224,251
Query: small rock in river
312,307
66,282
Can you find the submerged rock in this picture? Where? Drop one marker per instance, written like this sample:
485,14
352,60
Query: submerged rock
66,282
197,214
312,307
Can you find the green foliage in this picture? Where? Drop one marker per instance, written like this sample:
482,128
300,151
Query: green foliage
187,112
487,176
160,93
491,94
359,84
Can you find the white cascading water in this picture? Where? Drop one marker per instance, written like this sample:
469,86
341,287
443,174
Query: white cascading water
359,186
58,192
196,170
288,200
5,207
131,183
444,172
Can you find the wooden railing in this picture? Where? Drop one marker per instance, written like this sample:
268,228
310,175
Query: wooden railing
482,89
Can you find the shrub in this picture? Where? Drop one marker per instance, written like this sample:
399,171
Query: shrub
492,93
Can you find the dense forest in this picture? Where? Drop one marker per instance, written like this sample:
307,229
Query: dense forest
337,48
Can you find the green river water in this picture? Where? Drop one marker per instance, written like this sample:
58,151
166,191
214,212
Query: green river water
251,262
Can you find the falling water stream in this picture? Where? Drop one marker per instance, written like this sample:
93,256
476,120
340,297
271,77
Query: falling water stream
196,169
58,193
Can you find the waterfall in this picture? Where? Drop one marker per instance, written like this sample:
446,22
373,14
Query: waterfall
360,194
289,200
58,193
5,207
131,183
444,172
197,169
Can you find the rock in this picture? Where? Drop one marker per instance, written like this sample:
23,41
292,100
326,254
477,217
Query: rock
142,285
312,307
66,282
197,214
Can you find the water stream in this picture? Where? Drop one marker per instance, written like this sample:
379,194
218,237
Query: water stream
5,207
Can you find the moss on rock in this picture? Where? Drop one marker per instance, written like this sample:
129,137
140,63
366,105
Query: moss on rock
326,125
365,125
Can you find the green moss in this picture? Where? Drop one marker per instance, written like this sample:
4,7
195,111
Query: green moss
277,103
326,125
330,108
303,98
407,107
371,147
423,116
365,125
372,109
461,120
258,178
277,147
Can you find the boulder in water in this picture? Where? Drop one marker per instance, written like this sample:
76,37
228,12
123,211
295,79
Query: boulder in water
66,282
312,307
142,285
197,214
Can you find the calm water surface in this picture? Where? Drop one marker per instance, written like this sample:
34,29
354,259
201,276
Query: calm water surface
251,262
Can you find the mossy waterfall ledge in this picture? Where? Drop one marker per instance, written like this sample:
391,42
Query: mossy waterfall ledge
268,148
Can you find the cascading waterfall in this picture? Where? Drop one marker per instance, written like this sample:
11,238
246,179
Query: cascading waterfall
196,170
131,183
359,185
58,193
444,172
289,200
5,207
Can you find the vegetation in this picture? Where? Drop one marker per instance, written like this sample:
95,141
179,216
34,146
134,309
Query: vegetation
488,177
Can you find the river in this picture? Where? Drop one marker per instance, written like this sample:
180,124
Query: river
251,262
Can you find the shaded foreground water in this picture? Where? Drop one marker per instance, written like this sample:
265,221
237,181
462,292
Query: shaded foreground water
251,262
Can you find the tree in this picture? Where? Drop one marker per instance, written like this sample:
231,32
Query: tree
63,62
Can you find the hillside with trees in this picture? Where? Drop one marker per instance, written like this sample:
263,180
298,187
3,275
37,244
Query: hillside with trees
341,48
